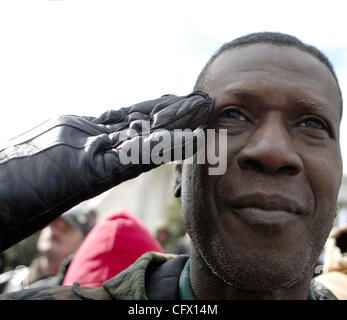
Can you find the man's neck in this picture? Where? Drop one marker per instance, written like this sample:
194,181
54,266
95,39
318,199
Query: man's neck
207,286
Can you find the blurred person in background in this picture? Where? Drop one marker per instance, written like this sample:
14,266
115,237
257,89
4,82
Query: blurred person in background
93,217
334,275
114,243
163,235
56,244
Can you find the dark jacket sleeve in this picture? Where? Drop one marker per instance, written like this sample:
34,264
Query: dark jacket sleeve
69,159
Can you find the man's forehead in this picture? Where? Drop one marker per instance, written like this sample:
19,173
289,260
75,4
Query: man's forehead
256,62
262,56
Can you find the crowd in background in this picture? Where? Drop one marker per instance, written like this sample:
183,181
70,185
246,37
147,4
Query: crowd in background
79,247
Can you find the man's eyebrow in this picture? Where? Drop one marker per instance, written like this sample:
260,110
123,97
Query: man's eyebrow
317,105
304,102
309,102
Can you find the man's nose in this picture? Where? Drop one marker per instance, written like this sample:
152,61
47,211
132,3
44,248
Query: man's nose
270,150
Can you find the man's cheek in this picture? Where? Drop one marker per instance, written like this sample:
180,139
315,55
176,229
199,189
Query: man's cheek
330,173
325,174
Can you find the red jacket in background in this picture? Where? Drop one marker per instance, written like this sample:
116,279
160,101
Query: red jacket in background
110,247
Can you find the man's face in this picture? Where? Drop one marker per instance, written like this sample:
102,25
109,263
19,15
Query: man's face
59,239
263,223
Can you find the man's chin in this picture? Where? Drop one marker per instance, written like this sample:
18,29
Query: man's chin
252,273
265,281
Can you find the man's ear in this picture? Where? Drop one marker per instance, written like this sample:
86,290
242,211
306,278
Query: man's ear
178,180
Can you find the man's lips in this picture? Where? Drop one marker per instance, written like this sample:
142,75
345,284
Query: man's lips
266,212
267,202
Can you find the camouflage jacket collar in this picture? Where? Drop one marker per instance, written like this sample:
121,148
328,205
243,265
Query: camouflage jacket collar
155,276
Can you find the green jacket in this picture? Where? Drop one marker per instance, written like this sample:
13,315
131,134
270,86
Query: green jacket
154,276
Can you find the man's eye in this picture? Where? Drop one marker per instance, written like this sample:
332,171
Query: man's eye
312,123
233,114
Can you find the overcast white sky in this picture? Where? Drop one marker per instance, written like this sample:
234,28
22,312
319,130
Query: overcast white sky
87,56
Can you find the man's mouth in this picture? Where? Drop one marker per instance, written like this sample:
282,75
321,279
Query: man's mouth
266,212
267,202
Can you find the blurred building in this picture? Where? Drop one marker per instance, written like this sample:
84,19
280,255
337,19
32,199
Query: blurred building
147,196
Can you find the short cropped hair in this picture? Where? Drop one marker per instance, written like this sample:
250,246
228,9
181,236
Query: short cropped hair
276,38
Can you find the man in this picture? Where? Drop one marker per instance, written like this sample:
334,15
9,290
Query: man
258,229
56,245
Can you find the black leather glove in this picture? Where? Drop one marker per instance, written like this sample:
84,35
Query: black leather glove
69,159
